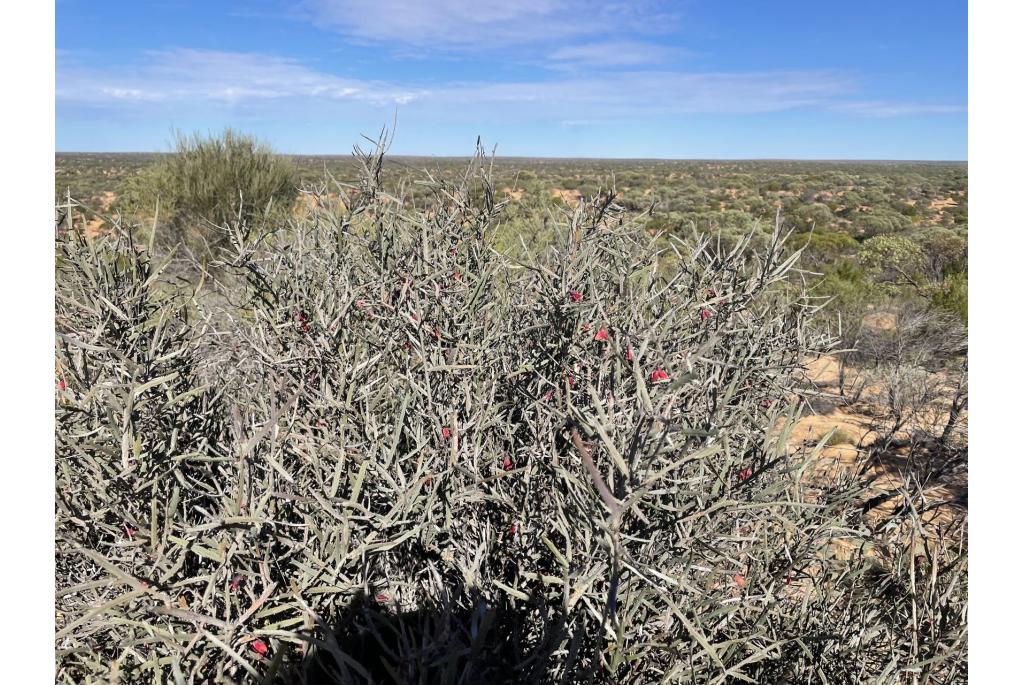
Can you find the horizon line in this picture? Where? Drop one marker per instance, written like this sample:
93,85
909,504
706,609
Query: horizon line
554,158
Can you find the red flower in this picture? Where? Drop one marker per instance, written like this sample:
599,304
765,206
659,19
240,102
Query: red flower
129,532
260,647
382,597
236,581
513,529
407,346
602,335
740,580
61,384
659,375
766,403
711,292
507,464
359,304
548,395
575,295
571,380
629,354
414,316
458,275
445,433
745,474
705,314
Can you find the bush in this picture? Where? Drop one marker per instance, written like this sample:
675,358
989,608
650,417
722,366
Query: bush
825,246
881,222
210,182
398,455
951,295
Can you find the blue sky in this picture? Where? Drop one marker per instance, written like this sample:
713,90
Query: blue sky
555,78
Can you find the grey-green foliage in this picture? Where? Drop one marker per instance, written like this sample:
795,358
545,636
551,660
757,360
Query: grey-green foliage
424,461
209,182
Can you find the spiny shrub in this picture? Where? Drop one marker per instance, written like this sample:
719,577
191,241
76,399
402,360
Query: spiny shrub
387,453
209,182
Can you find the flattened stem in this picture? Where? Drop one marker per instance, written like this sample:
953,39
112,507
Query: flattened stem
595,476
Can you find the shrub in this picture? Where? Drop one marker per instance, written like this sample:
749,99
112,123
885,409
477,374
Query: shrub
838,437
210,182
825,246
951,295
880,222
391,453
813,216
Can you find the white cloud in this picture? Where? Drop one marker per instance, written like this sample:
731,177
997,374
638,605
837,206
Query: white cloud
482,24
877,109
621,94
204,75
613,54
182,76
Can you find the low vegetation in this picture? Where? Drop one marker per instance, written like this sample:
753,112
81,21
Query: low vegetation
210,182
418,431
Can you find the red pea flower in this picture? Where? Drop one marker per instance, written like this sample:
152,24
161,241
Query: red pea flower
745,474
445,433
236,581
740,580
659,375
548,395
575,295
513,529
507,464
629,354
458,275
260,647
602,335
61,384
571,380
705,314
382,597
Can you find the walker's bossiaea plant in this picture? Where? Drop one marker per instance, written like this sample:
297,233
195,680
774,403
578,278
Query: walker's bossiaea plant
575,524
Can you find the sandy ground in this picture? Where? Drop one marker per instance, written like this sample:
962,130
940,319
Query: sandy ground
858,425
569,197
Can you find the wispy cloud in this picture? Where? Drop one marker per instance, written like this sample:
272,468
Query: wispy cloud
482,24
623,94
184,75
876,109
613,54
